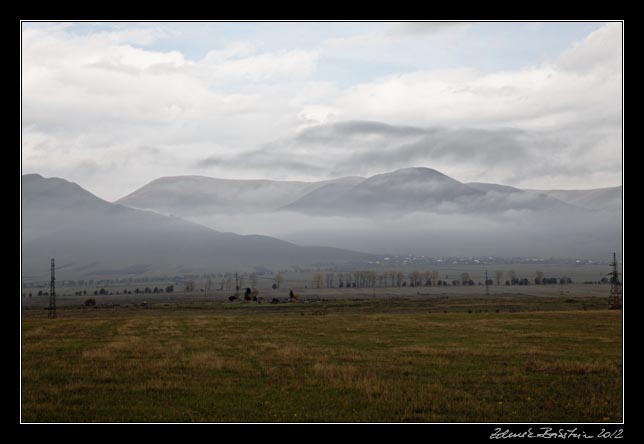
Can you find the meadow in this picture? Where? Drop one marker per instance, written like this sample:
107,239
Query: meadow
458,359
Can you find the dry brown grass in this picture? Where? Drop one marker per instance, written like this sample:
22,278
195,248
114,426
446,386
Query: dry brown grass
442,353
182,366
572,367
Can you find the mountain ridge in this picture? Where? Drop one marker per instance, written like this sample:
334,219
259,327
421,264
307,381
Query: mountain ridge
400,191
92,236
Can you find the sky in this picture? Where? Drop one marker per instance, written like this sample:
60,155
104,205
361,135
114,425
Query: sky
113,106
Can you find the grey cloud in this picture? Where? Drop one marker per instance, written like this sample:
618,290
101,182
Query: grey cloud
504,155
487,146
426,144
210,161
149,150
341,130
264,159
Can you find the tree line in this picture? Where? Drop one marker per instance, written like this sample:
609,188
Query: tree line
428,278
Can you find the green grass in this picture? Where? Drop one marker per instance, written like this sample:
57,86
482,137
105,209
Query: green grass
335,362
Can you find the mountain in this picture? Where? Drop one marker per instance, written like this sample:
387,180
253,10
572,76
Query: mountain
401,191
198,195
595,199
51,203
408,211
91,237
420,190
503,198
212,201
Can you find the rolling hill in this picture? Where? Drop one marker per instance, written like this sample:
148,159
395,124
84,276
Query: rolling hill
412,190
595,199
91,237
198,195
404,191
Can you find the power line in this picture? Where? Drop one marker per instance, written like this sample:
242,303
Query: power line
52,293
614,302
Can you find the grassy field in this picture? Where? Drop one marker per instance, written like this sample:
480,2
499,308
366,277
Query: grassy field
381,360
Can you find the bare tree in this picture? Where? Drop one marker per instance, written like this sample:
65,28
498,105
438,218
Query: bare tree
347,279
279,279
329,280
499,276
399,278
538,277
382,277
512,275
357,278
317,280
427,278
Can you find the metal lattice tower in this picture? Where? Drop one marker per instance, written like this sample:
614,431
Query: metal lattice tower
614,299
487,285
52,293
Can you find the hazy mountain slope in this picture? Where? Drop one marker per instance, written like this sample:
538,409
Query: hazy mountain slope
405,190
412,190
596,199
198,195
49,204
322,199
503,197
487,187
89,236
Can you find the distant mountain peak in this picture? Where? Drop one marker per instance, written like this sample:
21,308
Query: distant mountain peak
417,171
31,176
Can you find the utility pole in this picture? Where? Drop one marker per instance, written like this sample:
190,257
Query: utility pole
52,293
614,302
487,285
236,281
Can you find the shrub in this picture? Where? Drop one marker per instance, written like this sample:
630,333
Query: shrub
90,302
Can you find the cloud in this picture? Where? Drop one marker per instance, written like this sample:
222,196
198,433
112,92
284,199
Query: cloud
140,36
281,65
277,162
600,51
241,111
343,130
506,155
374,38
415,29
467,146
